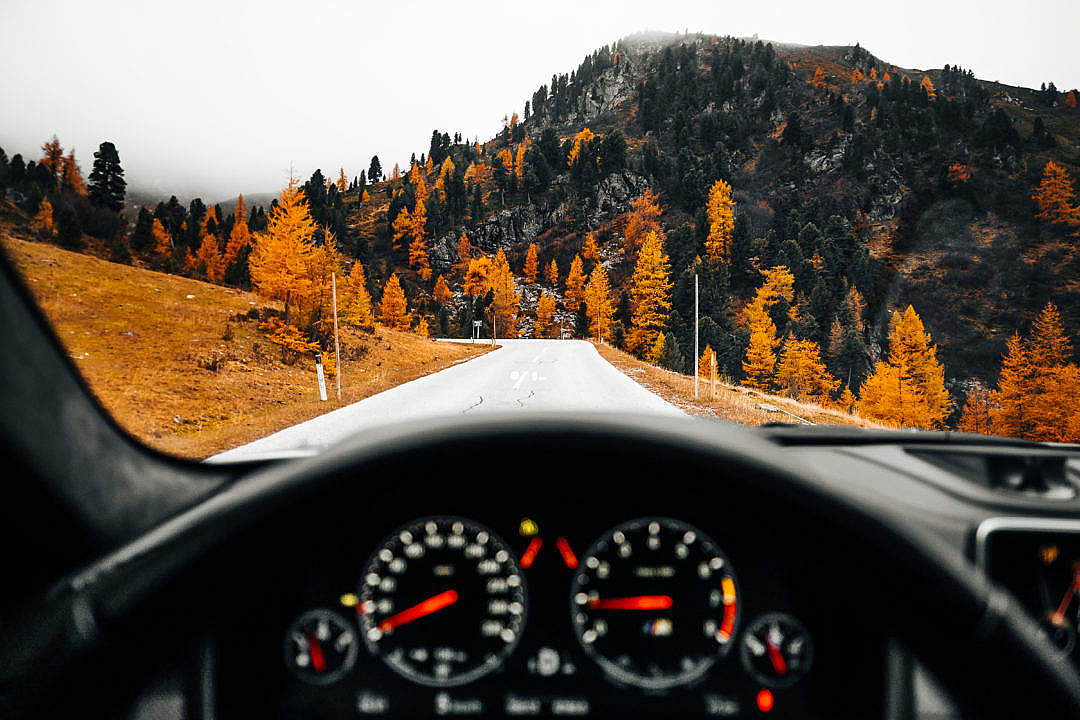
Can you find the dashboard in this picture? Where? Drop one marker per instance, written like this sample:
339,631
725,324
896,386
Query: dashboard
573,604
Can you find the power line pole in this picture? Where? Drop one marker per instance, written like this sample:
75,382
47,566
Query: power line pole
337,347
696,358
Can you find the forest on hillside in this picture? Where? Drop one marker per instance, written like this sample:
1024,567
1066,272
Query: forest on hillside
896,243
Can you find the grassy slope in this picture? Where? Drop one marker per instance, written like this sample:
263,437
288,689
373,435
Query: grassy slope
146,342
731,402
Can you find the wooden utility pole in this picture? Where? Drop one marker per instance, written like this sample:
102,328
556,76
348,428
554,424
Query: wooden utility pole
712,374
337,346
696,358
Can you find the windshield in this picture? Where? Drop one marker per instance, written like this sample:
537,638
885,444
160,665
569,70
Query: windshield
705,223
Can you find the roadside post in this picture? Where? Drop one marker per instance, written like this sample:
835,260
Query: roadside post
476,325
696,358
321,376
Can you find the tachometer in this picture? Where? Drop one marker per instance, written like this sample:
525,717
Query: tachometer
442,601
654,602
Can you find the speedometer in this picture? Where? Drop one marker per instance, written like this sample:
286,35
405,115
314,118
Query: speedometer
654,603
442,601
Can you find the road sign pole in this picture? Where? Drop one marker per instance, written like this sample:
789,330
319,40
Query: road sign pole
696,358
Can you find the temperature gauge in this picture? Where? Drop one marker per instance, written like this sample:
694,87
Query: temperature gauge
320,647
776,650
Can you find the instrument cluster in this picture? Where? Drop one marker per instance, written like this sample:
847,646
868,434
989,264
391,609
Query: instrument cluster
446,616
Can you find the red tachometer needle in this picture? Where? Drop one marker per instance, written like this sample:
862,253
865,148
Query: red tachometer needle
432,604
776,657
1058,616
641,602
315,651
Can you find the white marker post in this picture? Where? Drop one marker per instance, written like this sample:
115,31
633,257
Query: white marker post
476,325
322,378
337,347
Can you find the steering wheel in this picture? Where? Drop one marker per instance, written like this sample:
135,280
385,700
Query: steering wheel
975,636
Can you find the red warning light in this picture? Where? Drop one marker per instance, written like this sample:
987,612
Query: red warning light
568,555
529,556
765,700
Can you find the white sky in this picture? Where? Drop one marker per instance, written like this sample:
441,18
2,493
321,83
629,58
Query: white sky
216,97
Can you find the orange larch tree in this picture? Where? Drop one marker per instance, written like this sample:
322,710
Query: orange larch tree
52,155
574,291
551,273
976,416
208,261
43,219
505,299
544,327
442,292
532,266
928,87
239,236
71,178
357,308
342,183
650,295
163,246
1054,395
280,254
644,217
1009,414
464,248
582,139
598,303
760,361
818,80
802,374
908,387
393,309
721,216
590,251
478,277
1053,197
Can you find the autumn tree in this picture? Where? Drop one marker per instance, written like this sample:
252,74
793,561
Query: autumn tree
422,328
342,182
357,309
551,273
721,216
644,218
43,219
599,303
928,87
802,374
279,258
650,295
1053,197
976,415
857,76
819,78
589,251
208,261
52,154
581,140
162,241
1009,414
464,248
478,276
71,178
907,388
505,299
240,235
442,292
393,310
1055,395
574,291
531,264
759,364
544,327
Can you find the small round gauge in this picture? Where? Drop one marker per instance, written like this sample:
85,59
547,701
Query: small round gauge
320,647
776,650
654,603
442,601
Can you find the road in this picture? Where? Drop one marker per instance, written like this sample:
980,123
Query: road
521,376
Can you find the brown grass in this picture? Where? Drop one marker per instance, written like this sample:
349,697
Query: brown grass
732,402
174,361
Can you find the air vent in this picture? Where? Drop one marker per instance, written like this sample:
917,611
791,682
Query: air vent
1045,475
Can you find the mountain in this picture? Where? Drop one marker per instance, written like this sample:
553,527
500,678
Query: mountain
912,186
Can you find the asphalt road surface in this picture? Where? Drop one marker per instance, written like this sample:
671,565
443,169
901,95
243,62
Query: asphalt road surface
521,376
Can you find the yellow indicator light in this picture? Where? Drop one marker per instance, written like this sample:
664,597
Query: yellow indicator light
349,600
1048,554
728,586
527,528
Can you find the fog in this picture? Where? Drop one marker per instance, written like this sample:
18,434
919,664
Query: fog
213,98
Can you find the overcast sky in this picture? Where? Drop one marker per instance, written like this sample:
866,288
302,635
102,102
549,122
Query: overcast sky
216,97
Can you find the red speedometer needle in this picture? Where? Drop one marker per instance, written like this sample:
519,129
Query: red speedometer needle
641,602
315,651
776,657
431,605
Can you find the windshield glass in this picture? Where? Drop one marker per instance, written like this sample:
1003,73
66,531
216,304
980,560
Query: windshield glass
704,223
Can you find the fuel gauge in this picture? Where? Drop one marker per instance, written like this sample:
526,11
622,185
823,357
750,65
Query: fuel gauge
320,647
776,650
